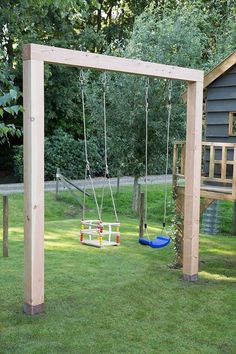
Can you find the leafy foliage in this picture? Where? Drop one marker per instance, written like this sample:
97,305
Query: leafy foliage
9,95
187,33
63,151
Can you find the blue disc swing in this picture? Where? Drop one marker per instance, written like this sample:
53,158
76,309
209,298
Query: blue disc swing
161,240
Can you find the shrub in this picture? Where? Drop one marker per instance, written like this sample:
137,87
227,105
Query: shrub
63,151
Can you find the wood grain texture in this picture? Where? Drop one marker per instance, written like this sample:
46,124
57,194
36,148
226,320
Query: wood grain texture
141,215
34,57
33,93
104,62
192,179
220,69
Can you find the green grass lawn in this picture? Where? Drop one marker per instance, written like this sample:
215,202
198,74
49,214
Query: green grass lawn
117,300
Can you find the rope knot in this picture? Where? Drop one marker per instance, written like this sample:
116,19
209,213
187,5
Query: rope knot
81,78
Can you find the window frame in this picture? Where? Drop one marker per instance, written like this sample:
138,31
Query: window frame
231,123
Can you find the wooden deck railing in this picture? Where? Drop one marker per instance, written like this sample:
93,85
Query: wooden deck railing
218,163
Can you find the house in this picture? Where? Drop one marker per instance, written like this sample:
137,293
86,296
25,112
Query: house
218,179
220,102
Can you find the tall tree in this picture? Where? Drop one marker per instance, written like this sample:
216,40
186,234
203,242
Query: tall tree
166,40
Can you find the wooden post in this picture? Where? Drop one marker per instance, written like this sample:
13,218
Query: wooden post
182,163
33,93
57,182
234,176
139,196
174,171
224,162
192,181
141,214
212,161
234,218
118,184
34,56
5,227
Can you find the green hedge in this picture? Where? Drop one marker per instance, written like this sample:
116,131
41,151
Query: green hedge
63,151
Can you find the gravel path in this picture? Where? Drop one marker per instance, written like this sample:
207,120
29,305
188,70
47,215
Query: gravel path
98,182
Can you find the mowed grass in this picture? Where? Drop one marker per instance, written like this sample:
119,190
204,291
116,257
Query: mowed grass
117,300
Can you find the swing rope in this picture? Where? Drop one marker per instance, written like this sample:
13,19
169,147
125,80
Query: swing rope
169,109
106,174
160,241
146,154
87,173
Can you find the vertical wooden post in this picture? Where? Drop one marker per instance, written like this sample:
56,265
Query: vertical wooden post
234,192
139,196
174,171
224,162
33,93
234,176
212,161
234,218
192,181
118,184
5,227
57,182
141,214
182,163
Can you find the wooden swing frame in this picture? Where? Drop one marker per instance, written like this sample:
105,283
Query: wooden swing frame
34,57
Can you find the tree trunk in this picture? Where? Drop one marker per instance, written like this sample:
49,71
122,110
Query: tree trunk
135,195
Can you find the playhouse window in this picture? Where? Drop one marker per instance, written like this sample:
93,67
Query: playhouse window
232,123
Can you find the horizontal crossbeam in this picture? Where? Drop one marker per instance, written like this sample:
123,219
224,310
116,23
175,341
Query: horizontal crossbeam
108,63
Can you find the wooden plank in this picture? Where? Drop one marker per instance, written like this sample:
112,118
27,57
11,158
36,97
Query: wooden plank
218,180
223,163
221,106
192,181
97,244
226,80
180,142
215,195
227,162
219,93
219,144
141,215
174,168
182,163
179,175
210,194
217,118
33,93
217,131
205,203
212,161
5,227
225,65
207,143
104,62
234,176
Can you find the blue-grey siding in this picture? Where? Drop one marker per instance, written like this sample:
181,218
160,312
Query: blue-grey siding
221,99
